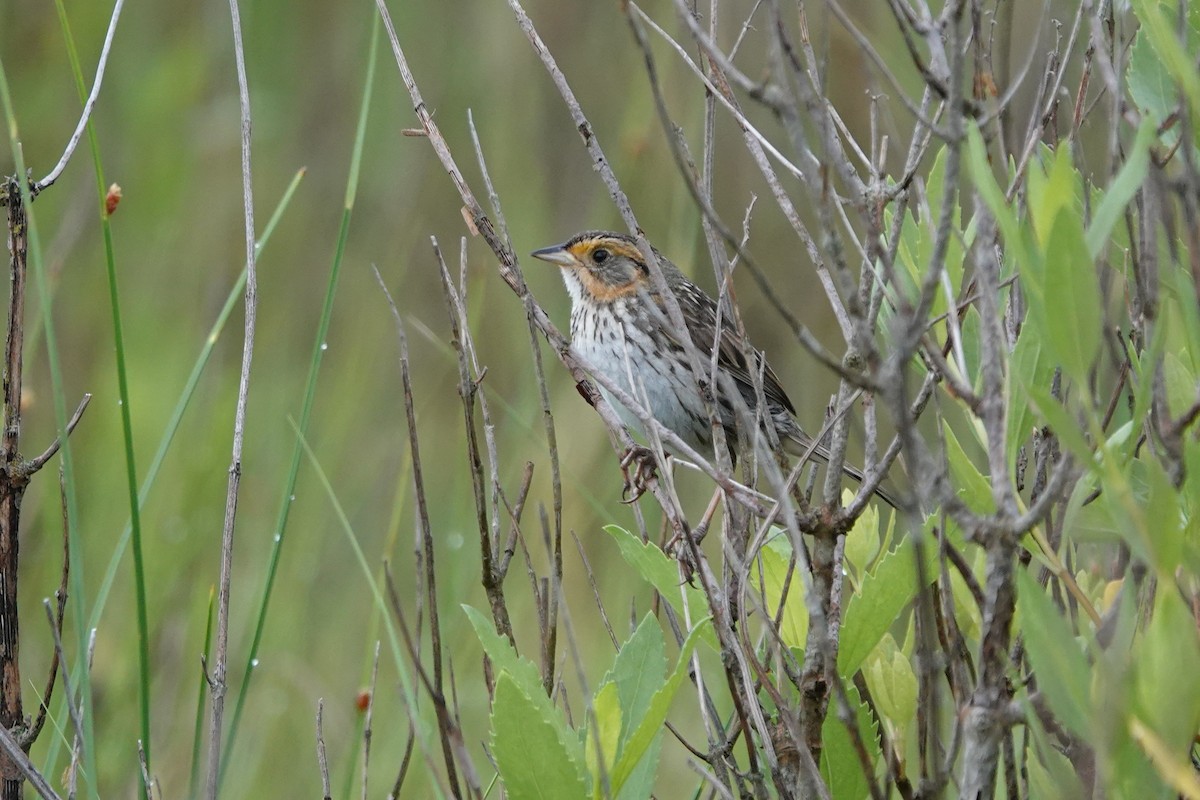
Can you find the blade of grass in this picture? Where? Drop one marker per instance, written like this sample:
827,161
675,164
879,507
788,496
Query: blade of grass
406,681
309,392
74,540
201,697
176,419
131,481
188,392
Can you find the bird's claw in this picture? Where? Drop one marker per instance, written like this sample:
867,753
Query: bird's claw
638,467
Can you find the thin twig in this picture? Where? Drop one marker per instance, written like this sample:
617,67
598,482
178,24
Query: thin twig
72,709
13,750
33,465
367,720
322,760
147,781
221,649
60,599
50,178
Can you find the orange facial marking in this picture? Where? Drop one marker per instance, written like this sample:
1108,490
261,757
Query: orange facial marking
603,292
599,290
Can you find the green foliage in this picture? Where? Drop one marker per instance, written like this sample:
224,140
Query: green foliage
1161,67
840,764
537,752
873,609
1105,364
1057,659
974,489
661,572
893,682
529,748
777,566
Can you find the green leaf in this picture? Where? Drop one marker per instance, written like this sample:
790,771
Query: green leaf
529,754
1181,384
984,182
523,671
973,488
1122,189
639,671
1051,774
525,675
862,541
603,736
885,592
640,783
793,625
1071,323
840,766
1052,193
642,738
1028,366
1150,84
1169,55
1164,519
1062,424
893,683
663,574
1170,650
966,612
1063,674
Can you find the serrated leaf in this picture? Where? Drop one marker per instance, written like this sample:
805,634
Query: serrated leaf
840,765
869,613
662,573
529,754
525,675
1169,55
643,736
522,671
1063,674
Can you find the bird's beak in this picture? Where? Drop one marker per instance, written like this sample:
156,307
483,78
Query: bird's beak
558,254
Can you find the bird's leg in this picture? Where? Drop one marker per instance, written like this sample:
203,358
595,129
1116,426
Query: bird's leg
638,467
698,532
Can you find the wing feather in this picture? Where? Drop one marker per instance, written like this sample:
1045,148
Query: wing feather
700,314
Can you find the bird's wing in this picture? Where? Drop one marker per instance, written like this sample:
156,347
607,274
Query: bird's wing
700,314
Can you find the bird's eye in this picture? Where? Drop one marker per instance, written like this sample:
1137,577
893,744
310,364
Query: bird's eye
600,255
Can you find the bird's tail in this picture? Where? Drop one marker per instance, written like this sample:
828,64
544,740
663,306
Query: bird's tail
799,443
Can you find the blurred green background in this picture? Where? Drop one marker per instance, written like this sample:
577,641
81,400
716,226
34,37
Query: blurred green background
167,125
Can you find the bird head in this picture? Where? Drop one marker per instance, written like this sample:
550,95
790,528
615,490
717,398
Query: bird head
605,266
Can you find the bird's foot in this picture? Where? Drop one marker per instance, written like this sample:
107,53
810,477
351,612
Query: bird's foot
677,547
639,468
